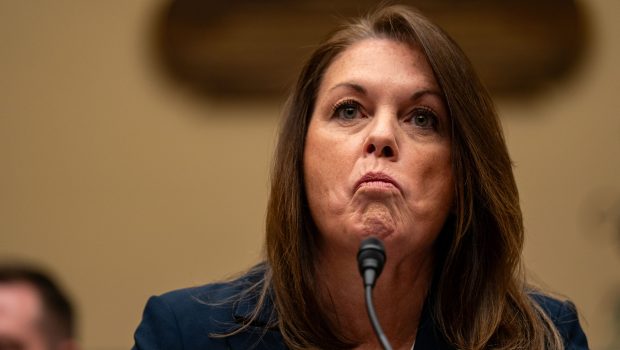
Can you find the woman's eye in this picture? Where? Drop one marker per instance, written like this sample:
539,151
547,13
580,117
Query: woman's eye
347,110
424,118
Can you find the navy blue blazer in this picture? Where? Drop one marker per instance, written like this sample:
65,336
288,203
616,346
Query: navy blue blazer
185,320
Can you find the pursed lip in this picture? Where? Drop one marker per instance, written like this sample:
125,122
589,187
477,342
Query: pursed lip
375,177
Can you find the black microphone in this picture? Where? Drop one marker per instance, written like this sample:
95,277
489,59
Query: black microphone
370,260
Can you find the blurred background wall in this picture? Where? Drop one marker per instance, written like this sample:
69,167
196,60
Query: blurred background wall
126,185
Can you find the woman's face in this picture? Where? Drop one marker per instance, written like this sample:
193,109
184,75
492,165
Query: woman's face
377,153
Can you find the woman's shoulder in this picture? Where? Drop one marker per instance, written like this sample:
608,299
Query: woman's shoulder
205,298
185,319
189,318
564,316
223,299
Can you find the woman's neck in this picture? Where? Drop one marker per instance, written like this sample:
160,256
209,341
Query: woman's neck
399,296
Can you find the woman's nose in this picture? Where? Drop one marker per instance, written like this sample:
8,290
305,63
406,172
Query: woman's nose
381,140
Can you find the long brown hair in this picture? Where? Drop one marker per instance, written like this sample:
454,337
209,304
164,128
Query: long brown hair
479,298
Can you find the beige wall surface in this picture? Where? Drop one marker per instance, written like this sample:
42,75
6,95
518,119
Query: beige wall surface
127,186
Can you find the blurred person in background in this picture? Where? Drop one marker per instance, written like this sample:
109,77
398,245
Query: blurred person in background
35,314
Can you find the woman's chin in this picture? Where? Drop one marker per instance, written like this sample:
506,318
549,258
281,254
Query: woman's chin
379,227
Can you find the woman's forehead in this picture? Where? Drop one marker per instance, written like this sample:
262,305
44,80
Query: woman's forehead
378,61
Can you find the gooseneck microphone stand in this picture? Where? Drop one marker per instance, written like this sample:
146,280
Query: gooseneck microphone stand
370,260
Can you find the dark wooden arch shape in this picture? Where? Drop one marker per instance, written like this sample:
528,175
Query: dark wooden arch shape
245,48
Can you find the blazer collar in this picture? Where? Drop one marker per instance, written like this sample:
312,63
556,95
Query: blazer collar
258,337
263,334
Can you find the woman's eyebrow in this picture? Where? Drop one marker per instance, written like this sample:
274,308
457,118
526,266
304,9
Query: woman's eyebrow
418,94
414,97
353,86
360,89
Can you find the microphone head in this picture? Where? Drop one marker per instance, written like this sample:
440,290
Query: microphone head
371,256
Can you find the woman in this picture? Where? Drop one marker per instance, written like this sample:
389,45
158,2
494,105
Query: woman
389,133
